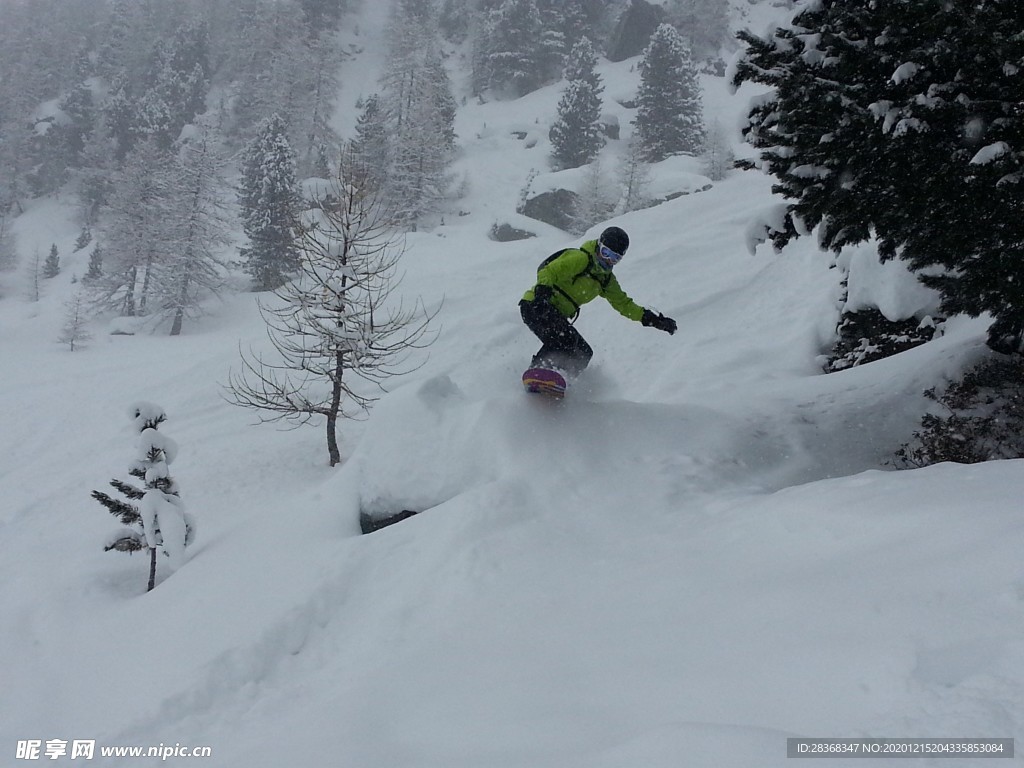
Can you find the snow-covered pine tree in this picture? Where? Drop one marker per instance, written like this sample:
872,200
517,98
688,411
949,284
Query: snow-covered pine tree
867,97
705,23
75,330
153,516
669,118
371,143
322,15
80,114
200,231
51,267
95,270
120,115
454,19
285,68
83,239
567,22
57,139
270,203
576,135
514,56
173,89
443,106
336,335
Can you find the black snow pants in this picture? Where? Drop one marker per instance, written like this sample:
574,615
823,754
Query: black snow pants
563,346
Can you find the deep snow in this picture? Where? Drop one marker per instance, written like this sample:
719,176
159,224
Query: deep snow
697,554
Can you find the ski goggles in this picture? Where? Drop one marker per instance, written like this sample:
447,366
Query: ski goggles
607,256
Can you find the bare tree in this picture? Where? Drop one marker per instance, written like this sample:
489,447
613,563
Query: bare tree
200,231
336,332
34,275
75,330
602,195
717,159
635,173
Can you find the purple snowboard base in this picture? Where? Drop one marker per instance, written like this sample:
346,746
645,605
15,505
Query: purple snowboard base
543,381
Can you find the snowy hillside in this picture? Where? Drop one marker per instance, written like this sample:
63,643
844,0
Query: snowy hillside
699,553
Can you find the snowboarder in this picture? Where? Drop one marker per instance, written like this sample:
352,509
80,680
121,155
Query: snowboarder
565,282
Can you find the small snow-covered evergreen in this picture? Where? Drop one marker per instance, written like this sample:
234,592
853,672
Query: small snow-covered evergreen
83,239
51,267
95,269
153,516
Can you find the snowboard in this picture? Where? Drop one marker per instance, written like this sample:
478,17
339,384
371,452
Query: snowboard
544,381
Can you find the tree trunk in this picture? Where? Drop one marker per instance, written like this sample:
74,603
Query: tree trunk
145,284
176,324
332,416
128,309
179,315
152,569
332,439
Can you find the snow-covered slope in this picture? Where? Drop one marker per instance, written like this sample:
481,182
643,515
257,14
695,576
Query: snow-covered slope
691,558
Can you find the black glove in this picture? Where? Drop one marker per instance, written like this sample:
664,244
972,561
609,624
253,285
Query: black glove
659,321
543,293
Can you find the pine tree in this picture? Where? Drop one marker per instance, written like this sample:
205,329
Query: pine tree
705,23
576,135
81,114
95,270
121,118
322,15
566,23
454,19
153,516
270,202
83,239
371,146
669,116
514,55
51,267
868,98
287,69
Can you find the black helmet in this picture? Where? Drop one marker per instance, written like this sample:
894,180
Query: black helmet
616,239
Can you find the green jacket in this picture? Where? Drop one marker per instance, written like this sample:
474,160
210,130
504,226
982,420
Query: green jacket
577,278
